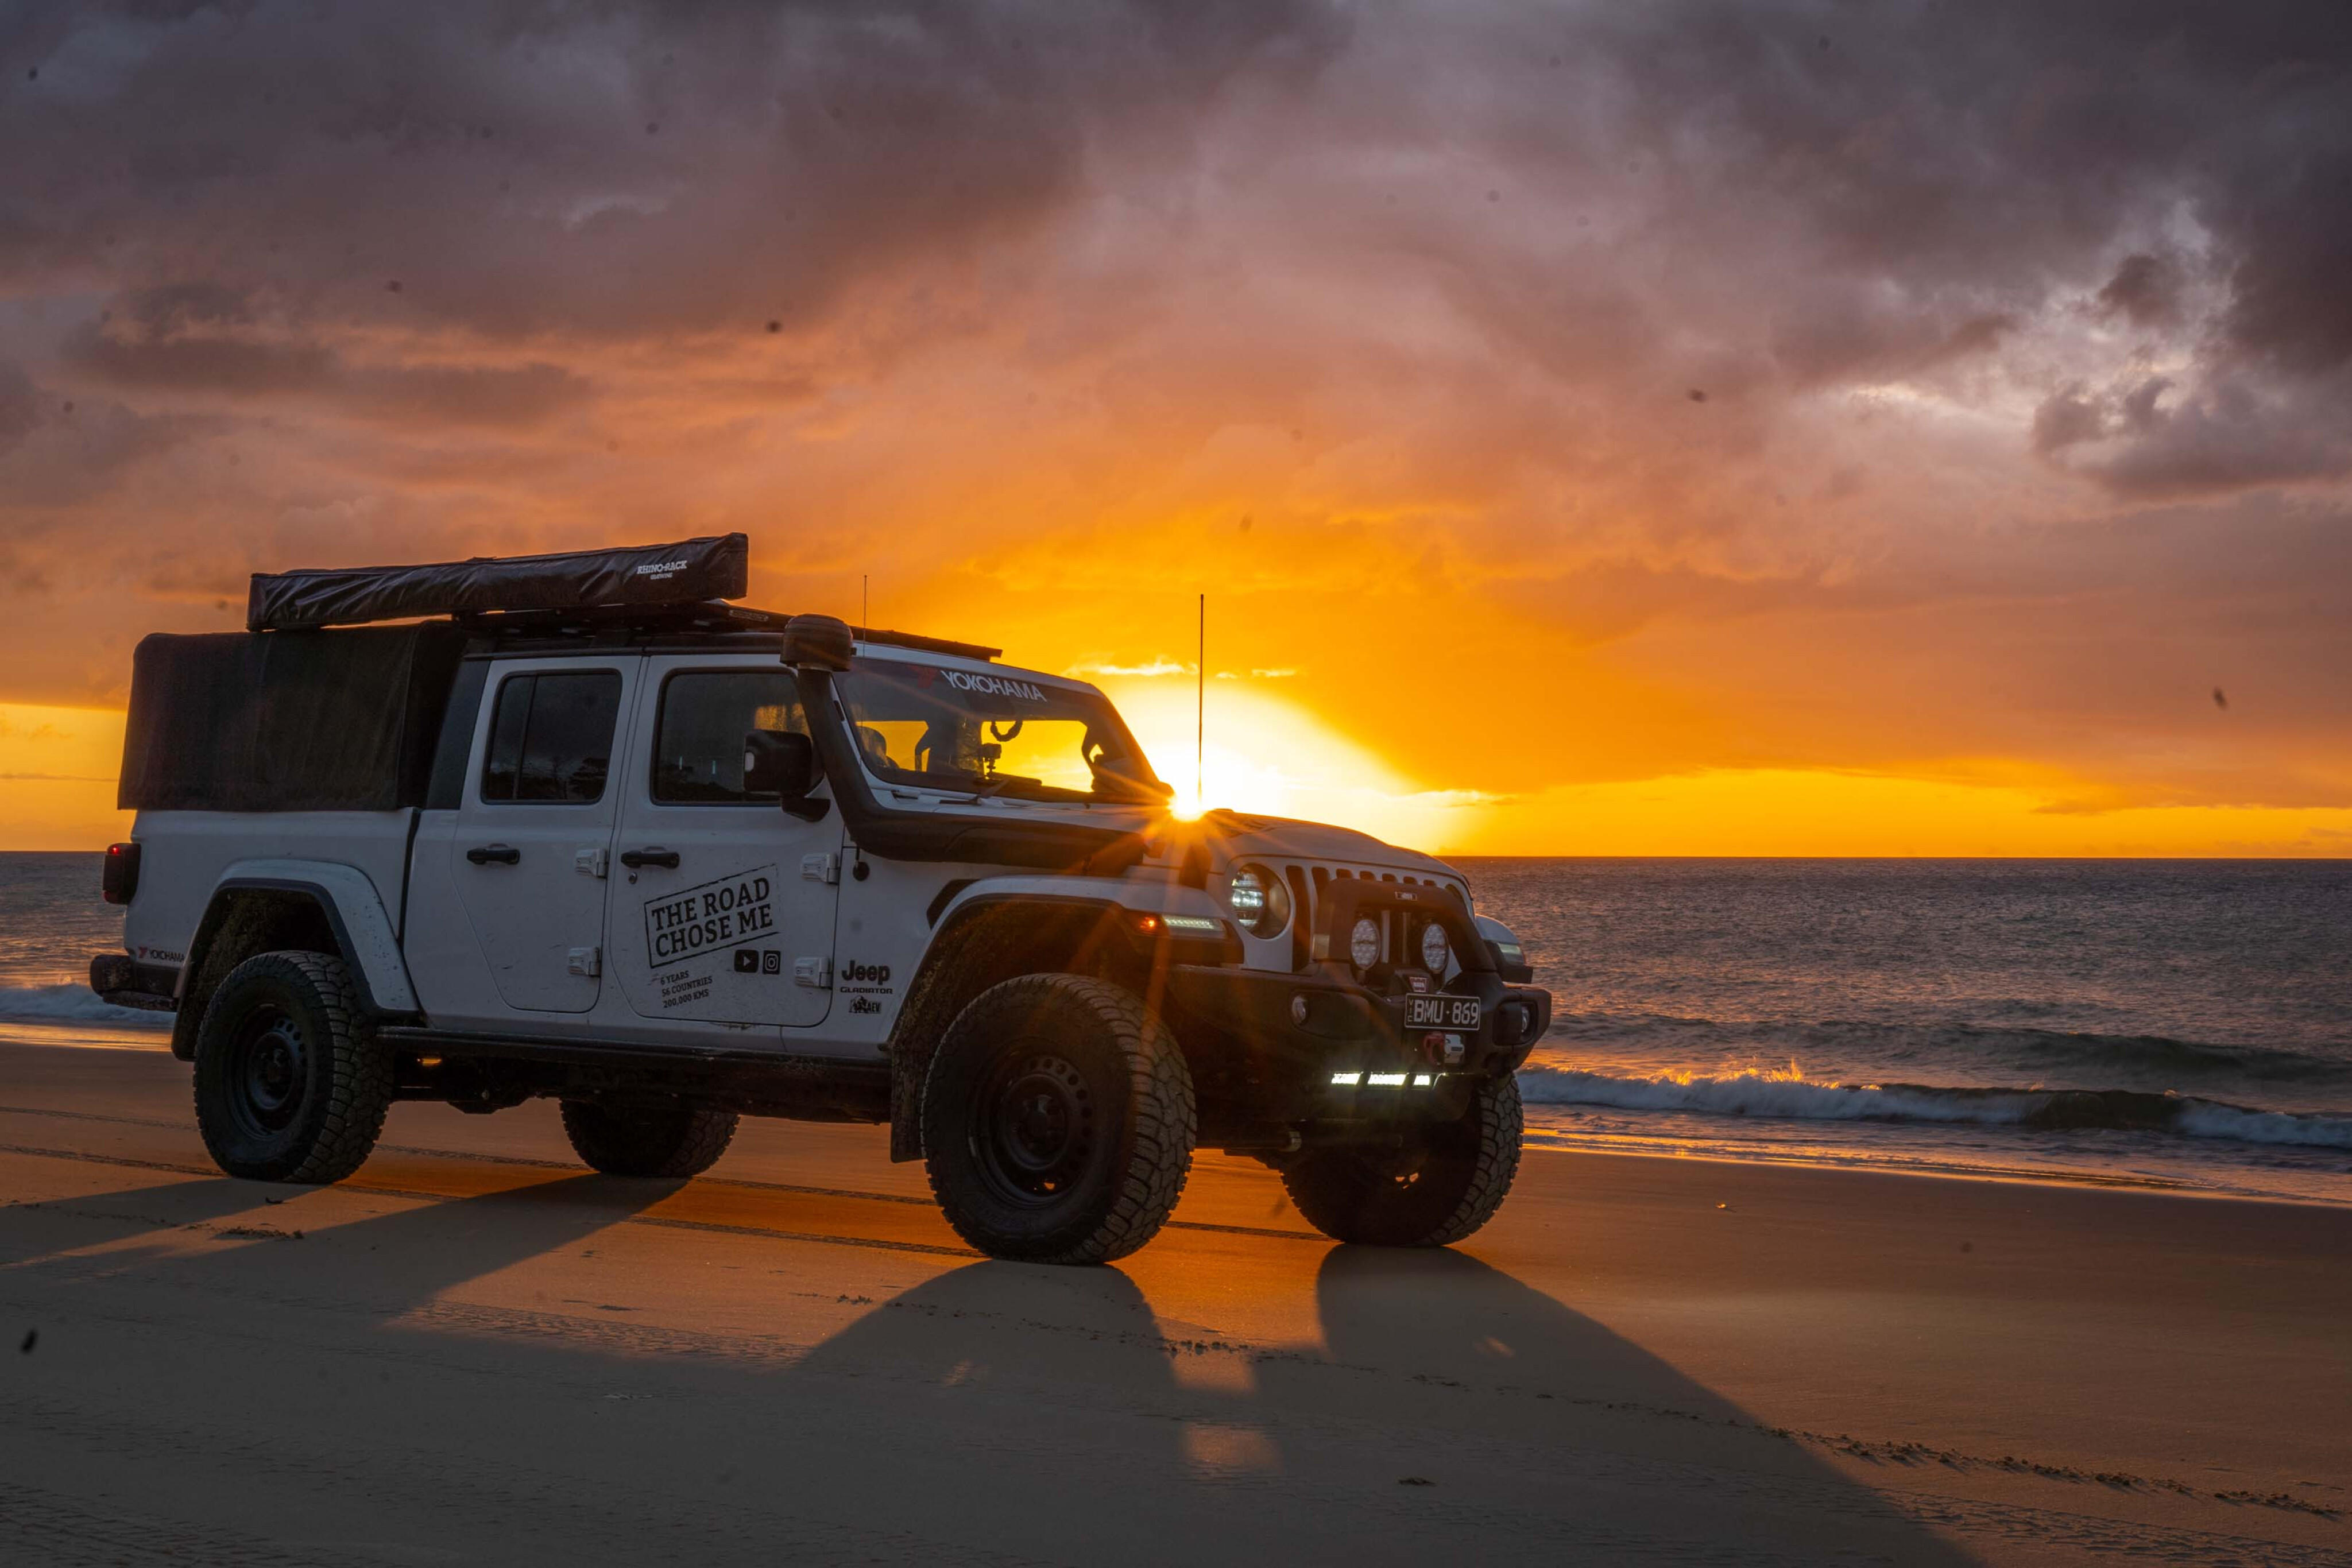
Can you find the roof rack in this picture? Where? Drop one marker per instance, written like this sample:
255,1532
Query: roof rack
923,644
707,617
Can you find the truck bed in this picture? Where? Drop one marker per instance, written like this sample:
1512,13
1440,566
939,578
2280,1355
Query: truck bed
185,853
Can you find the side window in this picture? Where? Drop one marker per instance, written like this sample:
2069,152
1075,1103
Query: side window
699,741
552,737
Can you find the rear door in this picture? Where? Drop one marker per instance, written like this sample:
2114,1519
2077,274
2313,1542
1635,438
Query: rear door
535,828
722,903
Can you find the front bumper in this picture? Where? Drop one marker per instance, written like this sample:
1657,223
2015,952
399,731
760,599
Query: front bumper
1347,1027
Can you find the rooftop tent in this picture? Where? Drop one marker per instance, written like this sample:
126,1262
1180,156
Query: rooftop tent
276,721
691,569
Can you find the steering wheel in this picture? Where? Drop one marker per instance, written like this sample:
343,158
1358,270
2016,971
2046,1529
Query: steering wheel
1002,733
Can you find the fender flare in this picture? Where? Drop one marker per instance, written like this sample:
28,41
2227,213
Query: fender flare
993,930
354,910
964,895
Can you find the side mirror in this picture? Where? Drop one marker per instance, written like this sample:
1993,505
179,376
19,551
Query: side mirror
782,763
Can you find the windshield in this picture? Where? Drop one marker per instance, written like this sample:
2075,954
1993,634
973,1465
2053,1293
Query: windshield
992,733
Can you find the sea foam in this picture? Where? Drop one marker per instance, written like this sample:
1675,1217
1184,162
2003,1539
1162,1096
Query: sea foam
69,1003
1789,1093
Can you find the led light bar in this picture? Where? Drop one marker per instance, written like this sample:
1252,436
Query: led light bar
1192,922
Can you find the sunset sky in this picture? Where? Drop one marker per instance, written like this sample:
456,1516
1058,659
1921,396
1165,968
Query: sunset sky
1775,429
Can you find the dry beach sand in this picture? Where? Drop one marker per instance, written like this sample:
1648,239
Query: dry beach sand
476,1352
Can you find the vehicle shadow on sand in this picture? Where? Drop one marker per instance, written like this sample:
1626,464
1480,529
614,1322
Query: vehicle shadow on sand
1483,1375
101,1218
384,1263
1018,1412
1450,1408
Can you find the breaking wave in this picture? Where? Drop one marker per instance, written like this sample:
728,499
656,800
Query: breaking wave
1789,1094
69,1003
2033,1054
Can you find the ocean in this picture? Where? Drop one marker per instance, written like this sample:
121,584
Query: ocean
2170,1024
2165,1023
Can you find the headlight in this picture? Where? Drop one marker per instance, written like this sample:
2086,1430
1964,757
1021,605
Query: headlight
1364,942
1260,900
1433,950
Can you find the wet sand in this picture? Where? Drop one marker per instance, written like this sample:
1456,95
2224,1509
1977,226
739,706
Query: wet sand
476,1352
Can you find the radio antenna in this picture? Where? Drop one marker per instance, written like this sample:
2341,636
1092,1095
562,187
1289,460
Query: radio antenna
864,604
1200,712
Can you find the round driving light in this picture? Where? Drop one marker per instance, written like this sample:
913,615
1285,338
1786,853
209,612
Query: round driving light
1260,900
1364,942
1299,1011
1434,951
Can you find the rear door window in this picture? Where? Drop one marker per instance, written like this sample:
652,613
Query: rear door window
551,738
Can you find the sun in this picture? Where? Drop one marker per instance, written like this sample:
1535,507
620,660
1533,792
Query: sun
1267,756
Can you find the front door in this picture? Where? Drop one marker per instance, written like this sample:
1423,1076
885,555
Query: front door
527,857
722,902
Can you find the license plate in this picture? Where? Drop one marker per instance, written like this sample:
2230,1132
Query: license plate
1456,1014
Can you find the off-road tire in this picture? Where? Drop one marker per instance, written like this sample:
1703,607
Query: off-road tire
1432,1195
290,1082
670,1141
1080,1050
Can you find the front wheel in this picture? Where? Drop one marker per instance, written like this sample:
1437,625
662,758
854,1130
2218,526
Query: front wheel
290,1082
1433,1192
1058,1120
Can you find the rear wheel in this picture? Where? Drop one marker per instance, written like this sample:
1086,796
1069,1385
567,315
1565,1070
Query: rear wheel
290,1084
673,1141
1433,1192
1058,1120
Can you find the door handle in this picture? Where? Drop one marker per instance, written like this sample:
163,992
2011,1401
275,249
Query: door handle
500,854
652,854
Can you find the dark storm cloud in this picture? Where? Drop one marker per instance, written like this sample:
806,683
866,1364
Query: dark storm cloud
20,406
57,451
2144,290
598,169
1783,204
1825,192
2288,211
1900,186
2150,440
231,366
209,340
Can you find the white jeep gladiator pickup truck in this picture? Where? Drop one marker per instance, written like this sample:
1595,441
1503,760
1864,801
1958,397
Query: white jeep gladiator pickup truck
576,827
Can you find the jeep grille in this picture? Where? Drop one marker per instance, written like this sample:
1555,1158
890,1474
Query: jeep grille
1307,880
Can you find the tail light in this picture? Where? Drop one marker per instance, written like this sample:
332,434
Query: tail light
119,882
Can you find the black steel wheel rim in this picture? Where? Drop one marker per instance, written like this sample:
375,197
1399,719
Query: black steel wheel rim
1034,1125
266,1072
